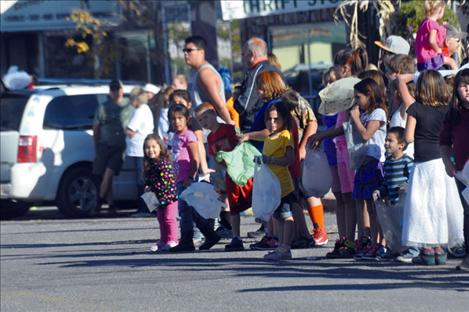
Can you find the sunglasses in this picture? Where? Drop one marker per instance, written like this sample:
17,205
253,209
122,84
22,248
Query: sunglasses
188,50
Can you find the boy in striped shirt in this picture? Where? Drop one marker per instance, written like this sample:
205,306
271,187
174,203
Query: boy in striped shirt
396,167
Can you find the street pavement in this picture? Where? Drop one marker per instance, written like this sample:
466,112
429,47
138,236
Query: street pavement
103,264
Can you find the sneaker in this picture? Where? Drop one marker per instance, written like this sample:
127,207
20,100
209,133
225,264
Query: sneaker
361,247
320,237
257,233
168,246
383,253
464,265
267,242
407,256
224,233
343,248
302,243
235,245
426,257
458,251
155,247
278,255
370,253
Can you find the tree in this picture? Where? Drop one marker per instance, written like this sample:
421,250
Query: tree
90,29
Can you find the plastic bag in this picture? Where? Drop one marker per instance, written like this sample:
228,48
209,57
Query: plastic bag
150,200
266,193
316,178
356,146
390,220
204,199
239,164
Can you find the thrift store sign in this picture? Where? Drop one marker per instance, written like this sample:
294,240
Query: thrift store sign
235,9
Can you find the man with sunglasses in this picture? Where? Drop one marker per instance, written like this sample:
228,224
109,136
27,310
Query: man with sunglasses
205,83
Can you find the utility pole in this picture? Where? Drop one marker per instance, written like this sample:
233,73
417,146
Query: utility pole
204,23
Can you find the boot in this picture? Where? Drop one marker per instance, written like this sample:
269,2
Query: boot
185,243
211,237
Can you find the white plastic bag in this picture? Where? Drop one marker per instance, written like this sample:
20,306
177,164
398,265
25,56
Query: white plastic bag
356,146
150,200
316,177
204,199
390,220
266,192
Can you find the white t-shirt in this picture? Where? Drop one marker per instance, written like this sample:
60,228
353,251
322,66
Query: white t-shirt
376,142
163,125
398,121
142,123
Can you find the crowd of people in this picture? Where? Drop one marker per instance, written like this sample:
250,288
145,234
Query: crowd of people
409,115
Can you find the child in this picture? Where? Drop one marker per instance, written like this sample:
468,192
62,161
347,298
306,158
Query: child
159,179
223,137
453,139
278,154
430,37
396,175
368,117
182,97
186,164
371,124
396,167
432,209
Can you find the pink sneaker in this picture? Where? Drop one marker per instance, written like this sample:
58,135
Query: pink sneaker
320,237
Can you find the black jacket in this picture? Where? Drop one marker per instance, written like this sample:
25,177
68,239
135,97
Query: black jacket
248,101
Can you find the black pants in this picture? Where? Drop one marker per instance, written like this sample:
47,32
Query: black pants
465,205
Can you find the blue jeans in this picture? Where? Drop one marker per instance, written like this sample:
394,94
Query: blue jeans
188,214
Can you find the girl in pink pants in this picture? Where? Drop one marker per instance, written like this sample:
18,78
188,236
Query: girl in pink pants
159,179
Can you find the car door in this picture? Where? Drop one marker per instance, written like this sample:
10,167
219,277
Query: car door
12,106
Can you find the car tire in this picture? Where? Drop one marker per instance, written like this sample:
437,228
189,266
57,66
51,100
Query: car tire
13,209
78,193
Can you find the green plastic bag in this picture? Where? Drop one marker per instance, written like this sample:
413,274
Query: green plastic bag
240,162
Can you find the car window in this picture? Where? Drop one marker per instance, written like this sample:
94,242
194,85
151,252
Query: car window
71,112
11,110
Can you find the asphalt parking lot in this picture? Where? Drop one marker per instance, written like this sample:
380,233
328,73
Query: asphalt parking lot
103,264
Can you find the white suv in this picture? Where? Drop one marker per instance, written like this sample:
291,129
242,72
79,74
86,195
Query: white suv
47,151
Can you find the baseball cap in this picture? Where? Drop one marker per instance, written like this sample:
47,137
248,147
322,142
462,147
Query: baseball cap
453,32
149,87
394,44
115,84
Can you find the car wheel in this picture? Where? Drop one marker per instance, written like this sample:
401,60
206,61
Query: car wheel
78,193
10,209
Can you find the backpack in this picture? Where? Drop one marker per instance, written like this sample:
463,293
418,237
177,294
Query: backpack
226,78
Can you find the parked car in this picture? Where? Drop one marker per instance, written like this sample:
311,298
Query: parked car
307,80
47,150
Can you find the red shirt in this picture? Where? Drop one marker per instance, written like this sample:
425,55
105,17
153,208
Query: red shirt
455,134
224,139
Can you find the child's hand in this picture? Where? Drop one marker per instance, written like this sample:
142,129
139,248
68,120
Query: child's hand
243,138
147,189
315,140
355,112
450,169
